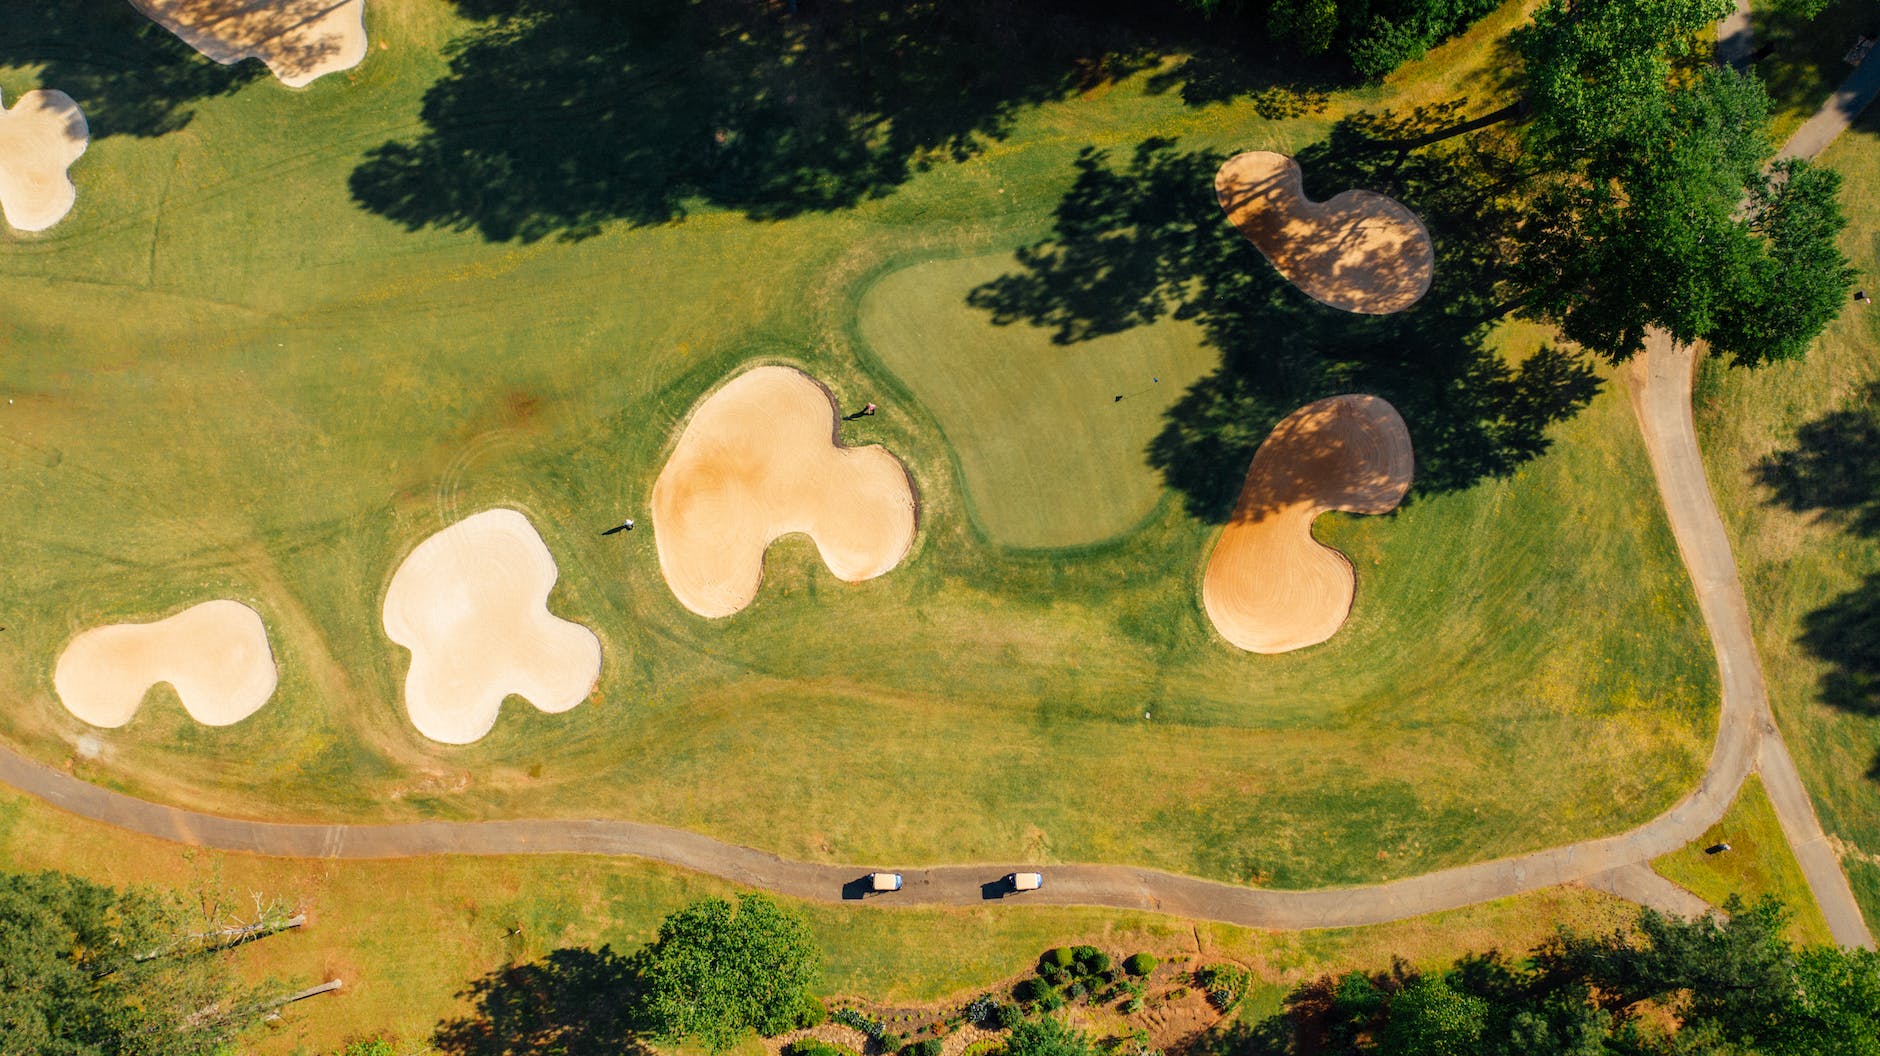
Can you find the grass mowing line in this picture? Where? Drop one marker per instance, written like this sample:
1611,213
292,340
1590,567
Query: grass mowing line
1758,863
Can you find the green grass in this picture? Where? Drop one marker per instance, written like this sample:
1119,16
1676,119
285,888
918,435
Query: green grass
1048,456
1758,863
230,381
405,937
1797,563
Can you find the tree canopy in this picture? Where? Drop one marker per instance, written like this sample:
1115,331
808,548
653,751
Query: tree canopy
1655,205
87,970
1664,987
718,971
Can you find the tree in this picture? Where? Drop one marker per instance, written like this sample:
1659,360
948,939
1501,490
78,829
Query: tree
87,970
716,972
1428,1018
1652,207
1047,1037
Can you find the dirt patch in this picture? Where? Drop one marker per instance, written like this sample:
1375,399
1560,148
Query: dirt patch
299,40
471,603
757,461
1358,250
215,655
40,138
1269,586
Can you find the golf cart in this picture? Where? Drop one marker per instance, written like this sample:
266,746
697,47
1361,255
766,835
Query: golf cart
1025,881
884,881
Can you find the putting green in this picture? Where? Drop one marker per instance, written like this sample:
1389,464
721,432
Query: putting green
1049,455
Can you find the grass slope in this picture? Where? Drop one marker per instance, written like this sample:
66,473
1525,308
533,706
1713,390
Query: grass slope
232,381
1758,863
1808,554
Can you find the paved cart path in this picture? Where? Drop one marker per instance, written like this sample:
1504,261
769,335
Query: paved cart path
1659,384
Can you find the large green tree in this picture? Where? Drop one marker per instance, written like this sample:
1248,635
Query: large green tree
87,970
1655,205
717,972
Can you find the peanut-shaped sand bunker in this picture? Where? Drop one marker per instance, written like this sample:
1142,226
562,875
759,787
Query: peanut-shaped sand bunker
215,655
758,460
471,603
40,138
299,40
1358,250
1269,586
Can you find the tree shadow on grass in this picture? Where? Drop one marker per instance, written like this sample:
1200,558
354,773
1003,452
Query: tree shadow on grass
1833,471
558,116
573,1002
128,74
1146,239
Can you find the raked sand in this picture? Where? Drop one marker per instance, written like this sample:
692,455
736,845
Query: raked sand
1358,250
40,138
215,655
759,460
299,40
1269,586
471,603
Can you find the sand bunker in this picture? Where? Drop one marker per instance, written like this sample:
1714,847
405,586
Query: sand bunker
215,655
471,603
1270,587
299,40
1359,250
757,461
40,138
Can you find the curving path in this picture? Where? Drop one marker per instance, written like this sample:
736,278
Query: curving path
1659,384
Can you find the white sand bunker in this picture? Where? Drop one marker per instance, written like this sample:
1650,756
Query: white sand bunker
1358,250
299,40
215,655
1269,586
40,138
757,461
471,603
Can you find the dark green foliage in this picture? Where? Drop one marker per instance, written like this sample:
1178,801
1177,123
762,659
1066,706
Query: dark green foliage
1030,989
1226,984
1075,991
1008,1016
1139,964
814,1047
1373,36
87,970
1665,988
1051,973
717,972
1651,208
924,1047
1096,963
1050,1001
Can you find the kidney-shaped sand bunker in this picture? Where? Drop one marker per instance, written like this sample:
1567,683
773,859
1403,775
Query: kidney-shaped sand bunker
1269,586
759,460
471,603
40,138
1358,250
299,40
215,655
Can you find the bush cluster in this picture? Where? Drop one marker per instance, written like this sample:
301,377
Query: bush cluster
1139,964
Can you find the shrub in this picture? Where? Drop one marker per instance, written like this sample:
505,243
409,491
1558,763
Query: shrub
851,1017
928,1047
889,1042
1084,955
1074,991
814,1047
1134,1004
1139,964
1031,989
988,1047
1052,974
1060,956
1050,1001
1225,984
982,1010
1096,964
1009,1016
811,1013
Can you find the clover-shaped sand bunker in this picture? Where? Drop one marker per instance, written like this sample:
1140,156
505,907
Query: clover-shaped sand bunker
1269,586
471,603
299,40
215,655
758,460
40,138
1358,250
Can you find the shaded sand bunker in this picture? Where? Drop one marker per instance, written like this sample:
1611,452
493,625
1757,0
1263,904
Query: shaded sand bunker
40,138
471,603
1269,586
299,40
759,460
215,655
1358,250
